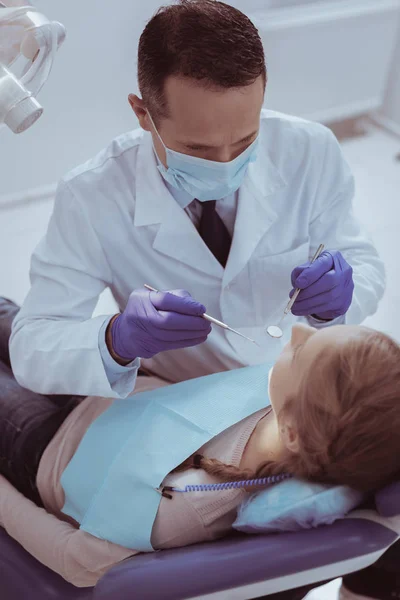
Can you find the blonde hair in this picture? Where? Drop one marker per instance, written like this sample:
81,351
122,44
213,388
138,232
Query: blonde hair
347,416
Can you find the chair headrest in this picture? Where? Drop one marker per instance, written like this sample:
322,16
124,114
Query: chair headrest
388,500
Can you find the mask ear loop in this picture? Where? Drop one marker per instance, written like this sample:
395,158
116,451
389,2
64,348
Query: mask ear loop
159,137
156,130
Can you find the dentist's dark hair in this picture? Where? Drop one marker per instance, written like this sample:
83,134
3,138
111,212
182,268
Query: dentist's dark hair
347,416
205,40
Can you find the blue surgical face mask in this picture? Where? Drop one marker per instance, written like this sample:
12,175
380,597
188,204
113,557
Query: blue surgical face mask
206,179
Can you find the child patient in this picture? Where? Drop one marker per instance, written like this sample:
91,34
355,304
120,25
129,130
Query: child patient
334,418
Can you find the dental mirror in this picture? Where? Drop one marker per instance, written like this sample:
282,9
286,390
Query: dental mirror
274,330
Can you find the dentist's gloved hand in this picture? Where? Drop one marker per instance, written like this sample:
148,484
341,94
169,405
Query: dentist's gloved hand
153,322
327,287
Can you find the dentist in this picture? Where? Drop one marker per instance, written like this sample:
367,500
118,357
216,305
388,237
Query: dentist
213,194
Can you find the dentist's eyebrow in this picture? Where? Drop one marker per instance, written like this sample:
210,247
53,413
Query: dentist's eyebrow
205,146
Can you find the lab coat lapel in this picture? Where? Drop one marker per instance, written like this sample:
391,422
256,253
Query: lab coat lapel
255,214
176,237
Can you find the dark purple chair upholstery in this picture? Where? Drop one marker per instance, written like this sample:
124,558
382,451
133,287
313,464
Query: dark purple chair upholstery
22,577
388,500
240,561
253,565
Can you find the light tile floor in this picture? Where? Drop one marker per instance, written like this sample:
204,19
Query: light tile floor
371,153
325,592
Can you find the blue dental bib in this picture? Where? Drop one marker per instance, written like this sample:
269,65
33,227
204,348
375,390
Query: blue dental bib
110,483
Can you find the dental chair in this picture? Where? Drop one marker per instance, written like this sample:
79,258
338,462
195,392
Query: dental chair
284,566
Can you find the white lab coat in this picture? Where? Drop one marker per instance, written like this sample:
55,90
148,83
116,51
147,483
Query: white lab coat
116,224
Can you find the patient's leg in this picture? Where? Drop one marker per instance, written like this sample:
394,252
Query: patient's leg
28,422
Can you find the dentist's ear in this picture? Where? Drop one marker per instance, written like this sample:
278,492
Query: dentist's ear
288,434
140,111
135,102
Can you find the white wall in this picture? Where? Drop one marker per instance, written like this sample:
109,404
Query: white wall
391,107
85,99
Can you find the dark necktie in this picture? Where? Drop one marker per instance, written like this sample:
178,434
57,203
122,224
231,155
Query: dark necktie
214,232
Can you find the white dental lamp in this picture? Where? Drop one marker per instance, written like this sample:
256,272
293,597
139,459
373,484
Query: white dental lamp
28,44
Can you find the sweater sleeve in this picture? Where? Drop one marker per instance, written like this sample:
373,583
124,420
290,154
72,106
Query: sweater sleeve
78,557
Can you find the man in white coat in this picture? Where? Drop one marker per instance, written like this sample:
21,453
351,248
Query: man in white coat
213,194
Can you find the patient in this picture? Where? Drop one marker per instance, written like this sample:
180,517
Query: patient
334,417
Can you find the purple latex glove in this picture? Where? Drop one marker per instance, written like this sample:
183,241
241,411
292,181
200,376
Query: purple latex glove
327,287
153,322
